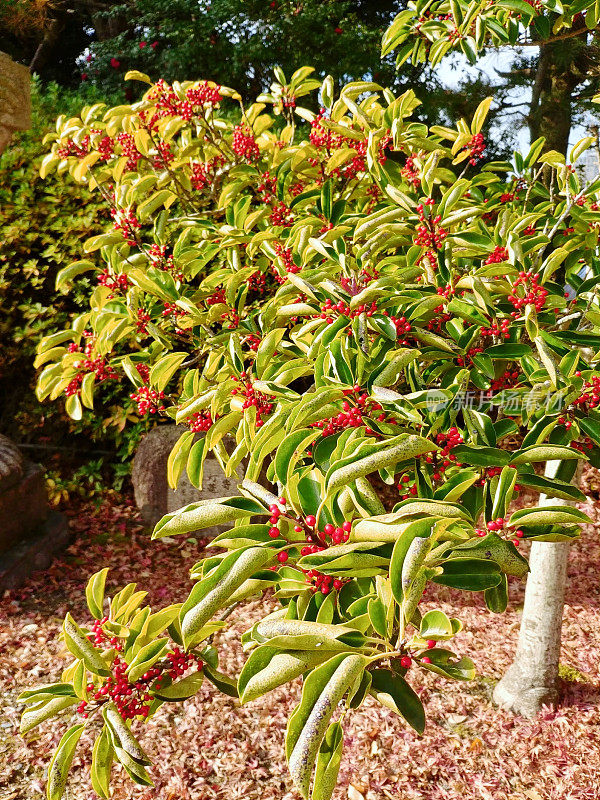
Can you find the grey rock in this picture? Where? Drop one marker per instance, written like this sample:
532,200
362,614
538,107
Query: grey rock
153,496
23,505
33,552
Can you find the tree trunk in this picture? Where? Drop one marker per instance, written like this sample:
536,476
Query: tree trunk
562,66
531,680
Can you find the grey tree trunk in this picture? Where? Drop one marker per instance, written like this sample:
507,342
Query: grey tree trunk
531,680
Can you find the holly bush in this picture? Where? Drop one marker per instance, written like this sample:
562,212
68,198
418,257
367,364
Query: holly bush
388,339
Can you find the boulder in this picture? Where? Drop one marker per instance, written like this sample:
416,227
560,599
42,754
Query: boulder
29,534
153,495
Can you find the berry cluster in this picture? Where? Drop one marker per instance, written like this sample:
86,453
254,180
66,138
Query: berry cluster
476,148
200,421
129,149
590,396
257,282
253,398
143,371
352,415
148,400
244,144
133,699
330,535
71,148
447,441
281,215
532,293
329,309
164,156
126,222
497,526
410,173
204,94
266,187
159,259
429,233
116,283
99,366
106,148
216,297
403,486
467,361
439,462
502,330
205,172
253,341
499,255
507,380
173,312
402,327
286,257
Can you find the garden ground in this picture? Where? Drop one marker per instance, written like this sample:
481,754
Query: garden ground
210,747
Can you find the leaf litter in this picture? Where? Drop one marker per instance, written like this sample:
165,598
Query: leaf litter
211,748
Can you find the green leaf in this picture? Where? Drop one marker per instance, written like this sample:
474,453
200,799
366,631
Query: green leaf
370,457
481,456
181,689
94,593
436,625
51,690
81,647
323,689
123,736
223,682
496,598
102,757
205,514
302,634
548,515
328,763
212,592
44,708
472,575
544,452
164,369
445,663
378,617
61,762
267,668
394,692
551,487
591,427
145,658
493,548
178,458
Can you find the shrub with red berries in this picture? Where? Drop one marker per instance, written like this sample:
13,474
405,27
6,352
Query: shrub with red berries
379,343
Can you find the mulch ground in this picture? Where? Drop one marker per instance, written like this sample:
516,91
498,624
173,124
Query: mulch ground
210,747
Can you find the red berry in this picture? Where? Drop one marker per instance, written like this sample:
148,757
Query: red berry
347,526
431,643
311,521
426,660
282,557
405,661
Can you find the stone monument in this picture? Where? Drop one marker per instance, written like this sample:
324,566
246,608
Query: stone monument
15,99
153,495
